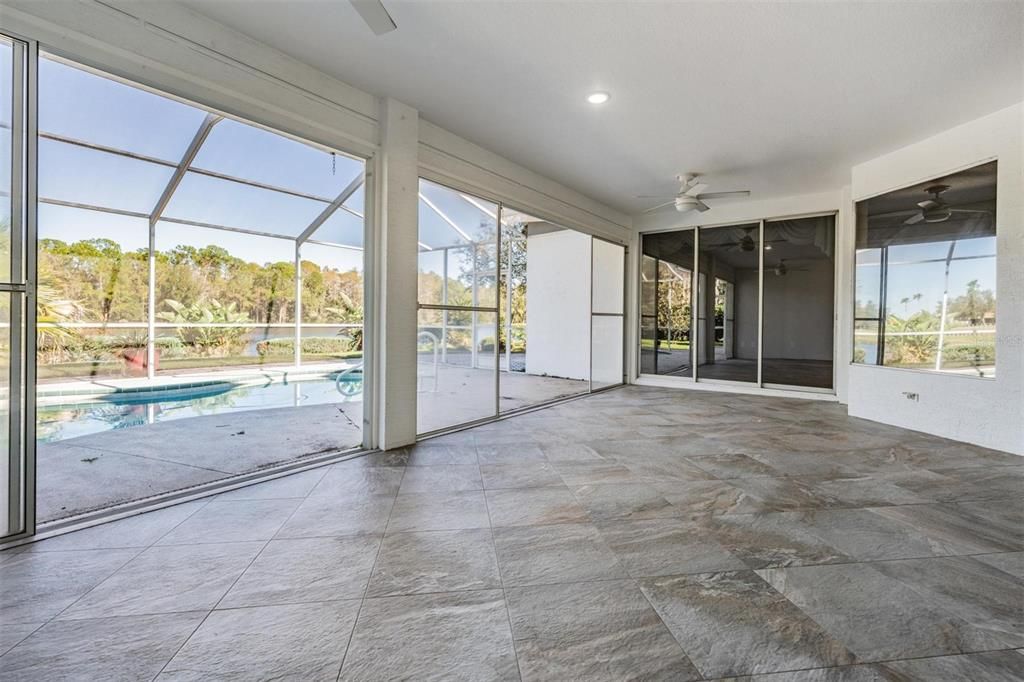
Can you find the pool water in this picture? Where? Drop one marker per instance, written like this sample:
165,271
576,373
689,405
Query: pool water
139,408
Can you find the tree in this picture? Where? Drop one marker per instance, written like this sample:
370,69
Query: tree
974,306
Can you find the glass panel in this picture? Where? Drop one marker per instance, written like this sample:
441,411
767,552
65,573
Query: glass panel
332,285
221,202
799,276
668,300
545,311
6,158
935,271
93,266
728,341
214,276
87,350
7,524
449,218
606,351
865,341
86,176
83,106
455,369
608,275
221,366
246,151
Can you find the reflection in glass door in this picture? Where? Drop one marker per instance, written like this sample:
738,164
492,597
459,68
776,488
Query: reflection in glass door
728,331
16,508
666,312
799,274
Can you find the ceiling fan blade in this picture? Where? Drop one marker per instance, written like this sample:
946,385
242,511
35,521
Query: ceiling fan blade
375,15
718,195
652,209
696,189
653,196
967,210
928,204
701,206
914,219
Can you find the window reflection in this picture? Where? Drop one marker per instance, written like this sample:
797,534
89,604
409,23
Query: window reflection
926,276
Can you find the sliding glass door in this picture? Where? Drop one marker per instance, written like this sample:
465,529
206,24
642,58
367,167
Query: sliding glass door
16,215
799,275
514,310
606,313
755,306
728,288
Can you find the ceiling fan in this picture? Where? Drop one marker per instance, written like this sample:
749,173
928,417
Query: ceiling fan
936,210
690,196
375,15
781,268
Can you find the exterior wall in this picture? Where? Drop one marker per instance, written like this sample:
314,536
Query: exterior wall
988,412
558,304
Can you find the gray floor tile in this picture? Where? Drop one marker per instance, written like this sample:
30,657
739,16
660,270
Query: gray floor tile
733,466
790,463
328,516
957,529
560,553
344,482
134,531
655,547
294,485
994,666
865,536
1008,562
126,648
520,475
13,633
624,501
569,452
782,494
232,521
985,597
305,570
170,579
450,636
774,539
443,477
510,453
877,617
593,631
862,491
457,510
36,586
431,453
735,623
288,641
593,471
435,561
846,673
533,506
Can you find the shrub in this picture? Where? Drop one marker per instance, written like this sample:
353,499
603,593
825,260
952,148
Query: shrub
313,345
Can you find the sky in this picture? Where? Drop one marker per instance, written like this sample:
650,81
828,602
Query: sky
76,104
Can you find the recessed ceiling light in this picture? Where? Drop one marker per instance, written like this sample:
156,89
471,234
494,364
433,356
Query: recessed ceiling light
598,97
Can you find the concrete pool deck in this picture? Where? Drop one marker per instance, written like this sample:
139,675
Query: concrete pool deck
100,470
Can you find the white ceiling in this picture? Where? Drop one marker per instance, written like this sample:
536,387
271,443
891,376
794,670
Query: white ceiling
779,98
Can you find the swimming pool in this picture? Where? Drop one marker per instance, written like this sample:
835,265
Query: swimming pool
122,410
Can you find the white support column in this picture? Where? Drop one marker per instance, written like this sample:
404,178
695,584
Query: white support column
397,224
298,303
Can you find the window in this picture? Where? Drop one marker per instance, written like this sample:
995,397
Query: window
200,281
926,276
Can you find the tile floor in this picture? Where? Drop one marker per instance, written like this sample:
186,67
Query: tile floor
636,534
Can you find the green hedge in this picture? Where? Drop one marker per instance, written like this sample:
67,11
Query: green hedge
314,345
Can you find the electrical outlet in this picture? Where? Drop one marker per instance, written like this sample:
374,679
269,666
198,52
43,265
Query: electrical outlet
911,396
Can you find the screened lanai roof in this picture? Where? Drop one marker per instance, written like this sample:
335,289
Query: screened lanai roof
110,148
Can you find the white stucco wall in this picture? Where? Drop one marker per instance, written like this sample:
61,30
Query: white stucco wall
987,412
558,304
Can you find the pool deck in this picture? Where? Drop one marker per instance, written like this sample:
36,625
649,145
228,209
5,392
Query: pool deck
99,470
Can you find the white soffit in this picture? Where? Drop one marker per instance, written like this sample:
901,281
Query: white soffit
779,98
